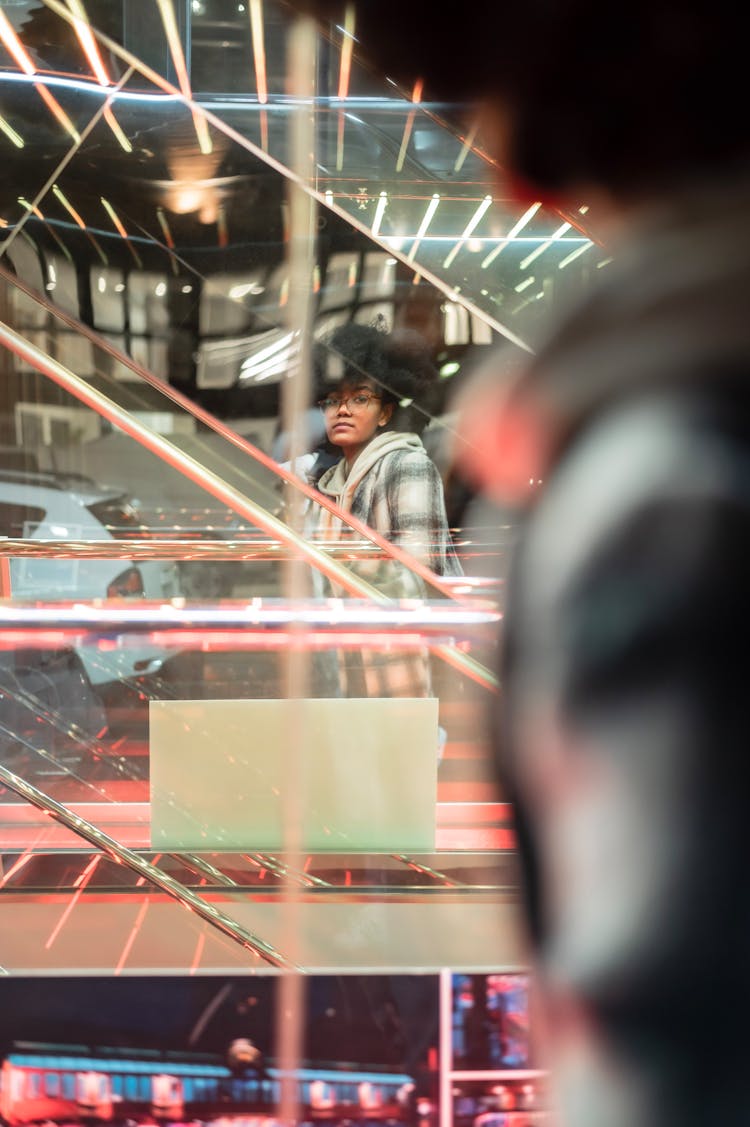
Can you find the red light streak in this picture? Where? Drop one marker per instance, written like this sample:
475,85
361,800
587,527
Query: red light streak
14,46
346,52
81,883
178,58
259,50
56,110
133,933
22,860
416,95
198,953
87,41
216,640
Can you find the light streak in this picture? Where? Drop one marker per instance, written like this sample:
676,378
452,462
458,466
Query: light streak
132,937
344,79
259,50
36,211
11,134
57,111
121,230
415,97
468,230
527,216
14,46
60,195
19,864
431,209
574,254
81,884
346,52
116,128
544,246
379,212
465,148
88,43
198,954
166,11
165,227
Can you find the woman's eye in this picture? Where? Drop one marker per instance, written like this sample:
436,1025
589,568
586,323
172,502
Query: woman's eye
361,400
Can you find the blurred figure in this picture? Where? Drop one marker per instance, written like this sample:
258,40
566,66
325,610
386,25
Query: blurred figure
623,726
622,731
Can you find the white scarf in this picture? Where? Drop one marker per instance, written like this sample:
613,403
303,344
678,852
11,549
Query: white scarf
341,483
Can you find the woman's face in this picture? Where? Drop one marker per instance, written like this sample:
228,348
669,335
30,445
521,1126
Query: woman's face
354,413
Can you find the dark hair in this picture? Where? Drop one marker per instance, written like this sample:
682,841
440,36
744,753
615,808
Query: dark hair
398,363
636,104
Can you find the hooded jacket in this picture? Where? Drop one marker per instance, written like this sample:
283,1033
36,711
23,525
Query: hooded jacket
395,488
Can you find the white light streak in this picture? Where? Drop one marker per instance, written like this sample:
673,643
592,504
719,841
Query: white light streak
545,245
527,216
468,230
379,212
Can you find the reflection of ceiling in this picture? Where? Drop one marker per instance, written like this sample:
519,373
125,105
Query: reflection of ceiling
185,191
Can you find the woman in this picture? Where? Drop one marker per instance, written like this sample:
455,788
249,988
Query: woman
385,478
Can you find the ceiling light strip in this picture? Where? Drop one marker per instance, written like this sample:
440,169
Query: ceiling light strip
60,195
469,141
544,246
347,45
166,10
65,162
57,111
259,50
527,216
88,43
415,97
120,228
574,254
468,230
379,212
11,134
33,208
116,128
422,230
14,46
340,141
16,49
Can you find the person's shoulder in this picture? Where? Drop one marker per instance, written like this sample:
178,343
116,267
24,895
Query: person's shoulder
413,457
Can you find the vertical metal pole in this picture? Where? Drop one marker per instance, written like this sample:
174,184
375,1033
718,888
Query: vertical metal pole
301,55
445,1056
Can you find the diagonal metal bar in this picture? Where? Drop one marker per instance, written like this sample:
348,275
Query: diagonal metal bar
151,873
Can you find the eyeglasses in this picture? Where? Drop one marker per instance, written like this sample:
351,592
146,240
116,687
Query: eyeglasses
357,402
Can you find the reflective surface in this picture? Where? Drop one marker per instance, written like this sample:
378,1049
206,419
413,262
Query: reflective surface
157,367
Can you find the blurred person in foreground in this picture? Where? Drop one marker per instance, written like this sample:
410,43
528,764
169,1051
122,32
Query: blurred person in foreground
623,726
